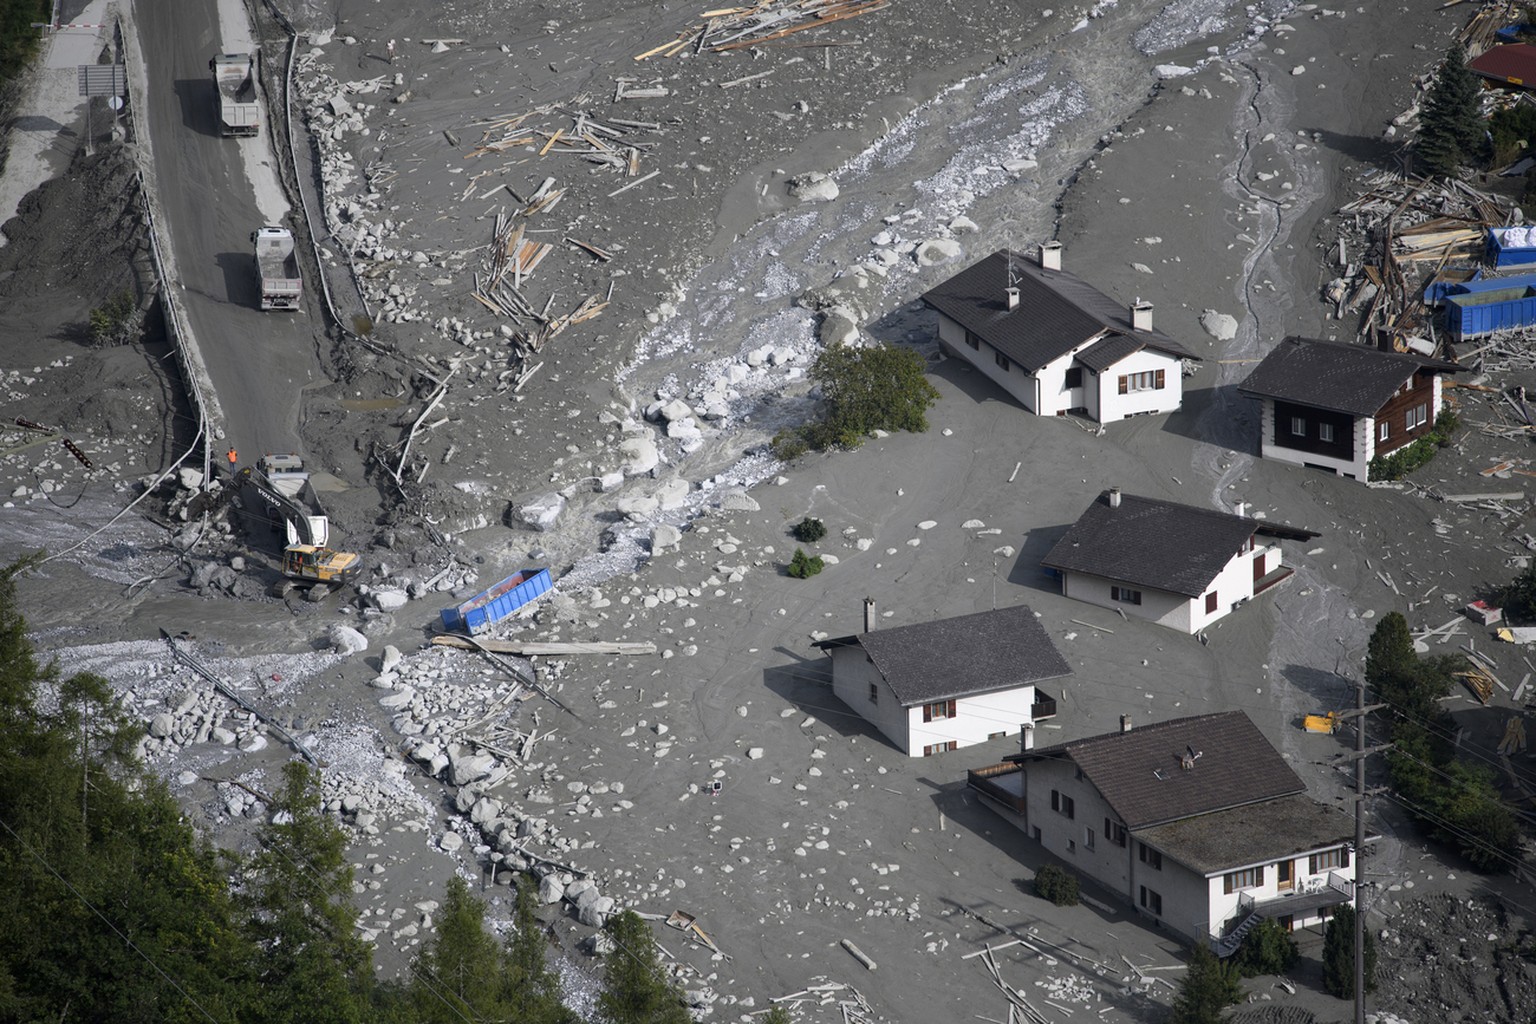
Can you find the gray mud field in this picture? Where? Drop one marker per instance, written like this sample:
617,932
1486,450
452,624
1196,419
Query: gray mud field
1193,153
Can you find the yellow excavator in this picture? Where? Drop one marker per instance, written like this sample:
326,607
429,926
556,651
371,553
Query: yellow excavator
281,483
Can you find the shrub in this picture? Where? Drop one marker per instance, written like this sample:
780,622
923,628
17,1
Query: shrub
802,566
880,387
1209,987
116,321
1339,955
808,530
1056,884
1267,949
1405,460
789,445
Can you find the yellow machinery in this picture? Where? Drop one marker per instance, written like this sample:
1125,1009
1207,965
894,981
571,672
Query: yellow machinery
1328,723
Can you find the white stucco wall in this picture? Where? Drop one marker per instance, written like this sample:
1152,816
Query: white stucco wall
852,673
1115,406
1172,610
976,719
1106,863
1013,380
1223,906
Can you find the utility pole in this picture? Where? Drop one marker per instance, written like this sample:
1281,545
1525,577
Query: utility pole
1361,752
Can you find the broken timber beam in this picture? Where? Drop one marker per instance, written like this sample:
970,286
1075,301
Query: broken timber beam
532,648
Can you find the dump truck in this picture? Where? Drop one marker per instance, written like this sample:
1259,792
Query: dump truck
278,266
234,89
281,485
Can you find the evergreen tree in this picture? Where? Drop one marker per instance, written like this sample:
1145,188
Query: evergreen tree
533,989
1450,128
314,969
1209,987
1339,955
638,992
458,973
1390,653
1267,949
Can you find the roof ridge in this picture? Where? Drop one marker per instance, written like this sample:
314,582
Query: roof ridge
1153,726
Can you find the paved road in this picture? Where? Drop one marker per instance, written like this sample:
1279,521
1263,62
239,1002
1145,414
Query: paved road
258,361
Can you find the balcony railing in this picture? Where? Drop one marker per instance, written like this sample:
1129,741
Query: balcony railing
1043,707
983,781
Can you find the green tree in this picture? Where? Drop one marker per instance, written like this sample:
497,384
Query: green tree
18,39
638,992
803,566
1056,884
314,969
1267,949
458,973
1339,955
1209,987
880,387
533,989
1450,126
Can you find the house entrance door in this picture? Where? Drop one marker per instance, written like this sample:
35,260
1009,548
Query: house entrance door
1284,878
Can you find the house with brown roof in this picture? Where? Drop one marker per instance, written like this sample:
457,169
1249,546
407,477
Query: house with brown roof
1336,406
1513,64
1198,823
937,686
1056,343
1176,565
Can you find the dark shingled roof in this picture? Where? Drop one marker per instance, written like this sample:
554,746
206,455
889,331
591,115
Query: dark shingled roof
1158,544
1057,311
1139,775
961,657
1108,351
1335,375
1255,834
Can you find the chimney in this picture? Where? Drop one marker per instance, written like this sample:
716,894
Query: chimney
1240,509
1125,723
869,615
1013,298
1141,315
1027,736
1050,255
1114,497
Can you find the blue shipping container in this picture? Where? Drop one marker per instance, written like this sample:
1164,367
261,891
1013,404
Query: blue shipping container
1518,254
1497,304
489,607
1436,291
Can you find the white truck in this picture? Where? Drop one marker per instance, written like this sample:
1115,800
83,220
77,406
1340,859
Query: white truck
235,89
278,266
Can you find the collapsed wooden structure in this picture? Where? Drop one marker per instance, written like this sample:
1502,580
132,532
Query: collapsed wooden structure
764,22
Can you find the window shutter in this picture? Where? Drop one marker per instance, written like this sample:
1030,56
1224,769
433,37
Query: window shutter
1312,864
1159,384
1344,857
927,712
1125,385
951,709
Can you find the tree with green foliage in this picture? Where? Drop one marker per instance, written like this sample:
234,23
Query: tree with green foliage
808,530
533,989
457,975
1450,125
1267,949
638,991
803,566
863,389
1056,884
314,969
1518,596
1339,955
18,39
1209,987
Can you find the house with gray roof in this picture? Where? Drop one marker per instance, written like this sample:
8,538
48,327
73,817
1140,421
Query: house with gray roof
1056,343
1336,406
1177,565
937,686
1196,822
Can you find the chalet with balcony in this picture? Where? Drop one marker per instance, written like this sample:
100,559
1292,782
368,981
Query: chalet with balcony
937,686
1198,823
1176,565
1056,343
1335,406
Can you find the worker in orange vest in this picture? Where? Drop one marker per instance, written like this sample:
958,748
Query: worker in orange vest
233,457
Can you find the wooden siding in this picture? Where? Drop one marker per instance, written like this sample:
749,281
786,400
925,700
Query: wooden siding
1341,447
1395,414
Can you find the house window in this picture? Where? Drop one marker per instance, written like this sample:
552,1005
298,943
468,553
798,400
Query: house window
938,748
972,340
1087,838
938,710
1252,878
1002,361
1074,377
1150,857
1417,416
1338,858
1125,595
1382,431
1147,380
1325,432
874,693
1210,603
1063,804
1114,832
1152,901
1298,426
1071,845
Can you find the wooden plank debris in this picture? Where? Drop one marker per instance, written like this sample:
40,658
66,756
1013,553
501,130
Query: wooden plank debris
765,21
547,648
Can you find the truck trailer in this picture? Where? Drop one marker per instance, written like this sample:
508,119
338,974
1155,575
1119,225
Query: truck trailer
278,267
235,92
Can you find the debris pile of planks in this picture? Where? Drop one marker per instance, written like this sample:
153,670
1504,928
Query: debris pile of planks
764,22
615,143
1480,33
855,1008
1411,232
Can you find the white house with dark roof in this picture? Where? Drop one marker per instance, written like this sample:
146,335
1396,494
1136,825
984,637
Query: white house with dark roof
938,686
1176,565
1335,406
1197,822
1056,343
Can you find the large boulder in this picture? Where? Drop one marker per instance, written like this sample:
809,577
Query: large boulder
640,455
389,600
162,725
814,187
347,640
540,512
936,251
473,768
550,890
1220,326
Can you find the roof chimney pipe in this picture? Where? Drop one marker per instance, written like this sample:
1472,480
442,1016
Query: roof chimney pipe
1013,297
1050,255
1125,723
1141,315
1114,497
1240,509
869,615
